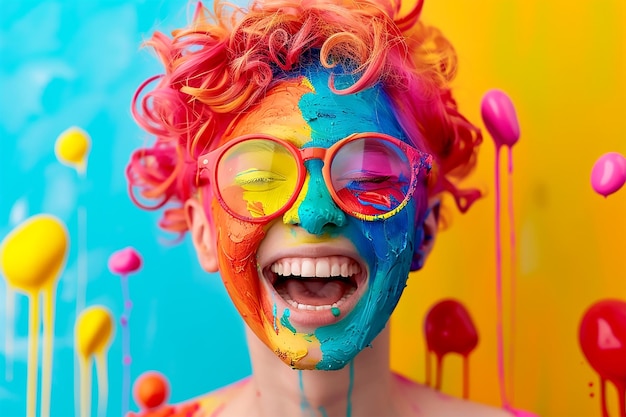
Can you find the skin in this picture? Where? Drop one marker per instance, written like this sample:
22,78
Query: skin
304,112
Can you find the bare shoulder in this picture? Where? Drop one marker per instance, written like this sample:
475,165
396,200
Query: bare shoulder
420,400
208,404
216,401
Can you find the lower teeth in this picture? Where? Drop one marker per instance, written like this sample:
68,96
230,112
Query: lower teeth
294,304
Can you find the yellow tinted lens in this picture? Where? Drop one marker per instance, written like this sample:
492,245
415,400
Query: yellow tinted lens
257,177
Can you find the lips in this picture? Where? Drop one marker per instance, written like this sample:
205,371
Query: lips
319,290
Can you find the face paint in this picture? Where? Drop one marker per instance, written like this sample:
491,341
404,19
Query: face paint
316,323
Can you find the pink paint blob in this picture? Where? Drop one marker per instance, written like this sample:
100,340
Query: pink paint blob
602,337
500,118
608,173
125,261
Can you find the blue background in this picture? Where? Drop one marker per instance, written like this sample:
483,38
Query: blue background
77,63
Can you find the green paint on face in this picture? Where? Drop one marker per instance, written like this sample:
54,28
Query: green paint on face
284,320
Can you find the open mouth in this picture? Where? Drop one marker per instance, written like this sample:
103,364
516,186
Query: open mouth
322,283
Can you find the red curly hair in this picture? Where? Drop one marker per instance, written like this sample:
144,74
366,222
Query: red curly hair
225,60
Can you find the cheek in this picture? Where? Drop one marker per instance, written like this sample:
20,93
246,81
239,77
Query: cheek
387,243
388,248
238,243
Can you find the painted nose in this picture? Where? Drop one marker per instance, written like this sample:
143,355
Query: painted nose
318,213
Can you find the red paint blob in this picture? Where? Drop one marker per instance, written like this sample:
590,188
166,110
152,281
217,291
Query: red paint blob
151,390
449,329
602,337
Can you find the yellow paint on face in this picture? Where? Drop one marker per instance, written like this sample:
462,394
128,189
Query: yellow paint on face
277,115
257,177
291,215
292,348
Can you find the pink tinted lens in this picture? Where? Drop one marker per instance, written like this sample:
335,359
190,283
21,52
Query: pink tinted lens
371,176
257,178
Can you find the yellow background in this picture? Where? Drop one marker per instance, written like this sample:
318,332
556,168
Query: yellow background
563,63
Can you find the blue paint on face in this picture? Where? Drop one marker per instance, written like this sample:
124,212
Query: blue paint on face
318,213
387,246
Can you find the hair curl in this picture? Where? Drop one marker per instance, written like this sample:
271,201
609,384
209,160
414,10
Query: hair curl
224,61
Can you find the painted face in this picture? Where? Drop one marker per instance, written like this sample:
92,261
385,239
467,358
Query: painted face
316,285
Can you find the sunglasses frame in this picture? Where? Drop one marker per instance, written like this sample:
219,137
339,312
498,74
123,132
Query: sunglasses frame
421,163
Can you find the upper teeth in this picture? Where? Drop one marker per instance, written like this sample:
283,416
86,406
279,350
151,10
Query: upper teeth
324,267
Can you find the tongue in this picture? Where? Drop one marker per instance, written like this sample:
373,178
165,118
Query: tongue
316,292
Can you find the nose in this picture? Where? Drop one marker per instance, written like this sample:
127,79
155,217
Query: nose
318,213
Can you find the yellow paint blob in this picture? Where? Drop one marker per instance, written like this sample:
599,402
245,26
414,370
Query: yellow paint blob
93,335
31,259
93,331
33,254
72,148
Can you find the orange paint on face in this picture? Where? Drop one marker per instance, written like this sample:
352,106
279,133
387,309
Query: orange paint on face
277,114
280,103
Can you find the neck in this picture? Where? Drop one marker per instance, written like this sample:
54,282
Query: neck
363,387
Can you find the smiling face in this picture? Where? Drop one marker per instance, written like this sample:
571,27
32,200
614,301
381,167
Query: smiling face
316,285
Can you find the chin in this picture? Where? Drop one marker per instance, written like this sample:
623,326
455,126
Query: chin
309,336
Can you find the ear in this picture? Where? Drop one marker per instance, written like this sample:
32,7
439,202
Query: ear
201,235
425,235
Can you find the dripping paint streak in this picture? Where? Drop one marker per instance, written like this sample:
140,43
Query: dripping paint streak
350,387
103,382
48,341
466,376
33,353
126,358
438,371
85,386
499,330
428,366
304,403
512,279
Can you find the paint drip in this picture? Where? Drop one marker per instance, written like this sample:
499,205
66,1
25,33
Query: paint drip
602,337
449,328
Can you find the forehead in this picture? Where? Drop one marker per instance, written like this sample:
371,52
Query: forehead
303,110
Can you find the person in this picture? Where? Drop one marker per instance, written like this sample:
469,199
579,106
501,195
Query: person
305,145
